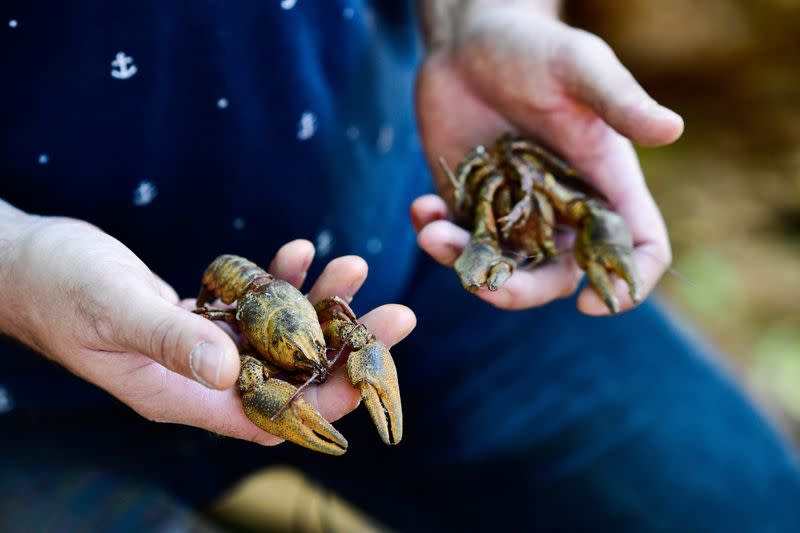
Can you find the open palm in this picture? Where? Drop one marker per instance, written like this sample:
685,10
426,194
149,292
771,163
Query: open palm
519,71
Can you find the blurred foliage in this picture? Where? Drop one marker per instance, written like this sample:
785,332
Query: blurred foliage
730,188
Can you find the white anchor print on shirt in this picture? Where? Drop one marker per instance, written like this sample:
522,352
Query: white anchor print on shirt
124,67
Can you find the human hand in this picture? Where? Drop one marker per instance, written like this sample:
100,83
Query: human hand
509,66
86,301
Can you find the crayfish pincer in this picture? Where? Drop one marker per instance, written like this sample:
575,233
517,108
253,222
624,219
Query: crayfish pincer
290,342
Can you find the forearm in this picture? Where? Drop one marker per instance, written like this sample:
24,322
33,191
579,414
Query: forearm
438,17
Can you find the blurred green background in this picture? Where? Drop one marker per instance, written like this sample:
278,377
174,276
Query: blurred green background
730,187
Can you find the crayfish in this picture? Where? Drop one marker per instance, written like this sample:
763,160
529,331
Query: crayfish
512,197
287,342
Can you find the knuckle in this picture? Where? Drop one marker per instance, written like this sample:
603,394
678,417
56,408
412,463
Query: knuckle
585,42
100,316
97,310
165,341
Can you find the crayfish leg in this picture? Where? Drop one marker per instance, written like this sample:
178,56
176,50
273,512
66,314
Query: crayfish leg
327,309
215,314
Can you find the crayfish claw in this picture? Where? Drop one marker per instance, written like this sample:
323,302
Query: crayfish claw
298,422
481,264
604,246
372,370
602,283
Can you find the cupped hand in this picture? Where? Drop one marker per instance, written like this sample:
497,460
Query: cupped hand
507,67
86,301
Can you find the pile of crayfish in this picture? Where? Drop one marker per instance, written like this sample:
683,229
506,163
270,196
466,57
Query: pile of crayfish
513,196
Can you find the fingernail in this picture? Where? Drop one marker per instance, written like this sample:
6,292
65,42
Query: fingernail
205,361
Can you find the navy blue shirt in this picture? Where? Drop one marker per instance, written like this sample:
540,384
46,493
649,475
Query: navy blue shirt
187,129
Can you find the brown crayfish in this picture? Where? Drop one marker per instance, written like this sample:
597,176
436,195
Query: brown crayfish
512,196
288,342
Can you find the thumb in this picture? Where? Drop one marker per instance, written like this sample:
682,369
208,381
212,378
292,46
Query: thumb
592,73
181,341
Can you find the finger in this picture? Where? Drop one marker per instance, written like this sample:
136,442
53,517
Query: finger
443,241
390,323
342,277
592,73
292,260
427,209
179,340
535,287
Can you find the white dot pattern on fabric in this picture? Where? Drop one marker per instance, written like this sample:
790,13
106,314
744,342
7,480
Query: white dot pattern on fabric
222,103
13,23
307,126
288,4
123,67
6,403
43,159
385,138
352,133
348,12
374,245
144,193
324,242
239,223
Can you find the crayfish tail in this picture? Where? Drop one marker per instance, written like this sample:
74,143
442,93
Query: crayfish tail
227,278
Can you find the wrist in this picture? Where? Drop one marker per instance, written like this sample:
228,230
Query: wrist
17,229
15,224
442,20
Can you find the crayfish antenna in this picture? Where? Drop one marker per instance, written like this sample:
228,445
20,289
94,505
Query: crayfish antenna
296,394
449,173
